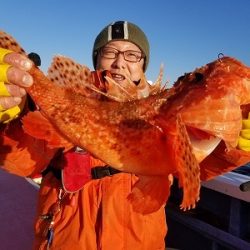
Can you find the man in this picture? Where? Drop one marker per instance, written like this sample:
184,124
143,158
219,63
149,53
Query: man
98,214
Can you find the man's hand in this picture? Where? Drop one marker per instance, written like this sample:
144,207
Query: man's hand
244,139
13,77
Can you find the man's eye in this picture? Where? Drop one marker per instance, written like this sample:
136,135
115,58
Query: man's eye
109,51
133,55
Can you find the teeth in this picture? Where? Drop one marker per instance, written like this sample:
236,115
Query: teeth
118,77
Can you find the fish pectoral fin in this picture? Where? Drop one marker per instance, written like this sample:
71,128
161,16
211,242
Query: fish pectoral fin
37,126
187,167
149,193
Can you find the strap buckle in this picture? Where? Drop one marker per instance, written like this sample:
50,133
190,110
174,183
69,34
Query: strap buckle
100,172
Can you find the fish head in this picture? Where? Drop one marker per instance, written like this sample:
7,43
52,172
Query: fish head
210,101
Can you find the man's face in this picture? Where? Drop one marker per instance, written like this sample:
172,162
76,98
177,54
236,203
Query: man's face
121,65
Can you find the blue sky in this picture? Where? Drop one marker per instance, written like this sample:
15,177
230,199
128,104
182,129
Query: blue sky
183,34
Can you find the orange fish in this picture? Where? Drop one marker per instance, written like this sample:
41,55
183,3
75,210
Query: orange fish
185,131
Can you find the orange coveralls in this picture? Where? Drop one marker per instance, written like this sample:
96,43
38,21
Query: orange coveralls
99,218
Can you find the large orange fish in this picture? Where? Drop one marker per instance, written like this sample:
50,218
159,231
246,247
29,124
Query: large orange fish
189,131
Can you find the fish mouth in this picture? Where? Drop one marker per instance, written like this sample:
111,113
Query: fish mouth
203,147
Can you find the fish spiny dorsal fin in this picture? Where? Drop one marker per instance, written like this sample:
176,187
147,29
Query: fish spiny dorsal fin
8,42
157,87
67,73
187,167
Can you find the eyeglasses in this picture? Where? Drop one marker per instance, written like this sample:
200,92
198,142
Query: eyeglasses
128,55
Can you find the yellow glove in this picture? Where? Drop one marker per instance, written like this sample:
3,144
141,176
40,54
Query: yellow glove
9,114
244,138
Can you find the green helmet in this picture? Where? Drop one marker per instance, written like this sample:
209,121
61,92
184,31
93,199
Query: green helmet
122,30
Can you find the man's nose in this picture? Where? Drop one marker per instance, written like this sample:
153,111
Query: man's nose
119,61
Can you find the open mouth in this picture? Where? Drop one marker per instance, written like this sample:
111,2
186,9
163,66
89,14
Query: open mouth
118,77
